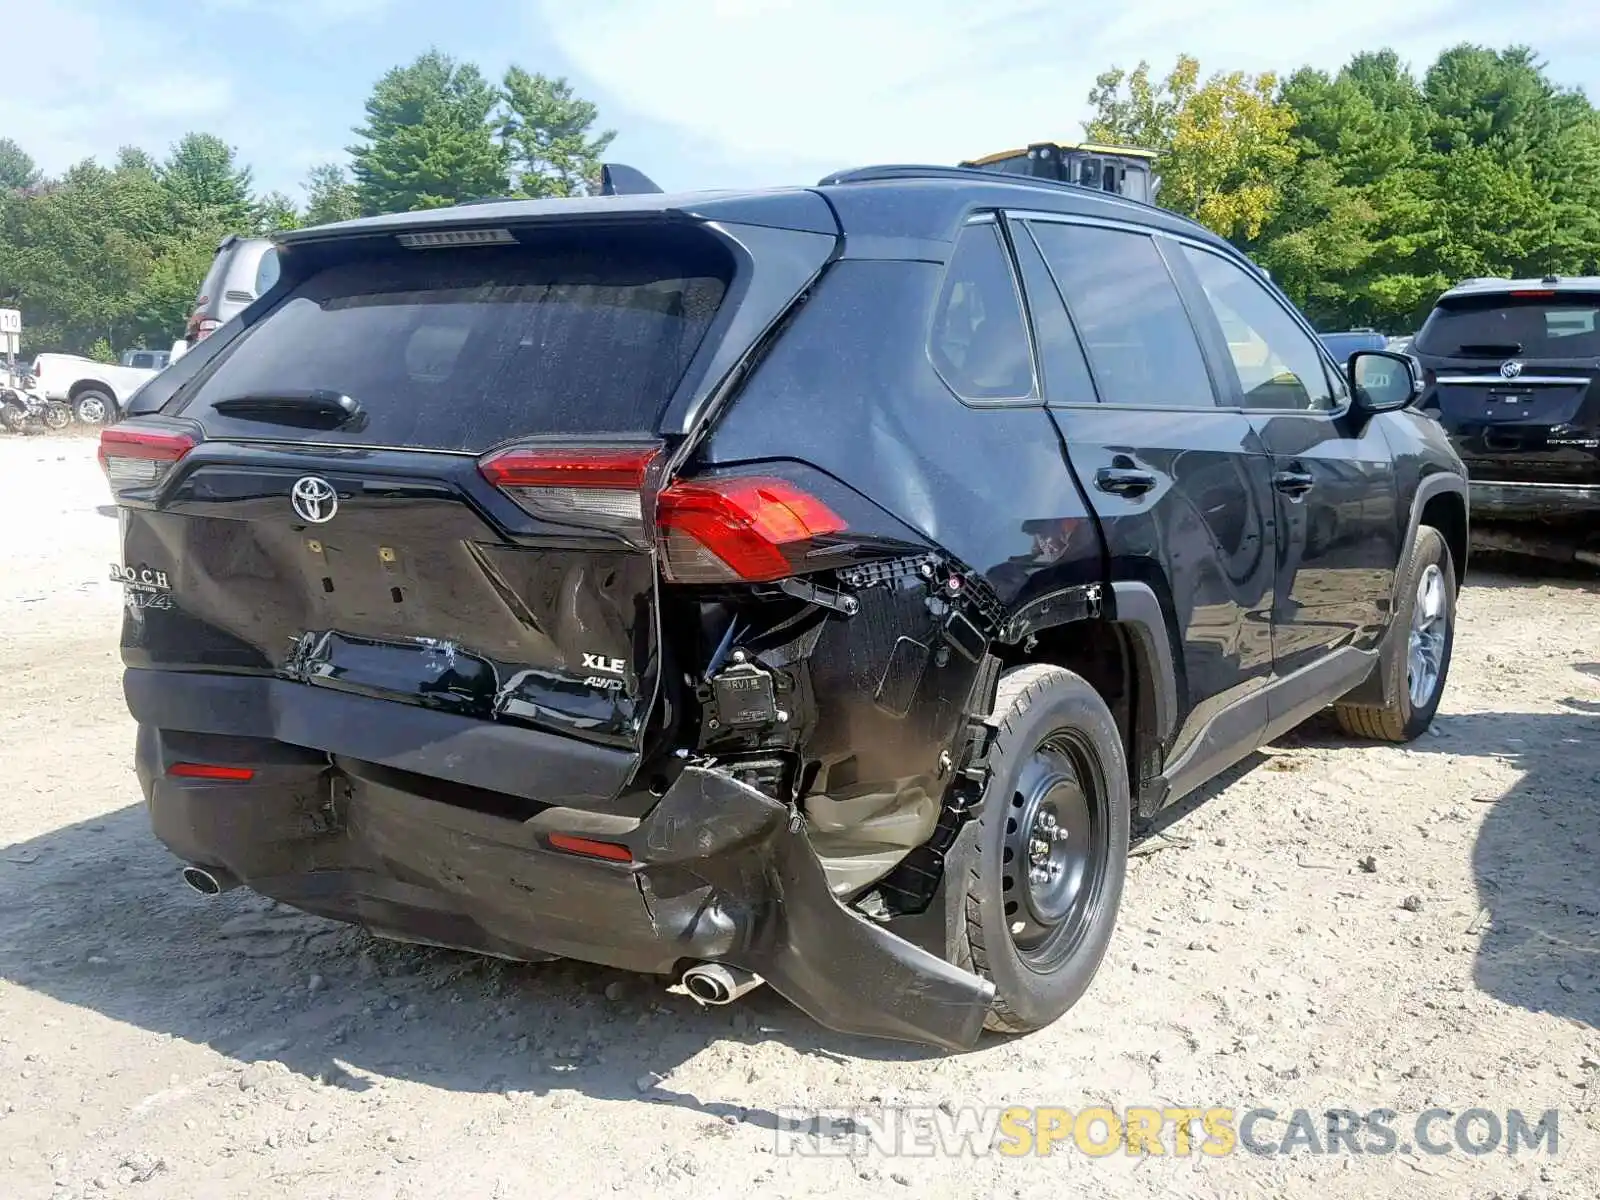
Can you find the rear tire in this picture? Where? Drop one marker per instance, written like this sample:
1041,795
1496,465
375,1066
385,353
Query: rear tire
1052,853
1426,619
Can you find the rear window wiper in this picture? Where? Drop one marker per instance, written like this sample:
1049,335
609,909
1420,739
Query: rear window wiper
1490,349
314,406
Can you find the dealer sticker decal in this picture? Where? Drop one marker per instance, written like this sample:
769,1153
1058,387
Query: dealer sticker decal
144,587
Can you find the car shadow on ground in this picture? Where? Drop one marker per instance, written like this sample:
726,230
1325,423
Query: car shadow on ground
1536,859
95,915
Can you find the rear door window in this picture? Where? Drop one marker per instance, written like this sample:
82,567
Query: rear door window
1129,314
462,349
1503,326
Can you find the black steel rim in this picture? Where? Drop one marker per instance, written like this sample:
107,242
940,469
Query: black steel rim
1055,851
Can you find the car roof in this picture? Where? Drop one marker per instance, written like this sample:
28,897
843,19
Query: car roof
1504,287
904,201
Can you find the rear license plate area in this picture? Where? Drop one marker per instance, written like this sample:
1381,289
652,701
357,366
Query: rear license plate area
1500,401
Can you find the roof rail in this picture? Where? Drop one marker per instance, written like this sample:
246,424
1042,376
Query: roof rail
972,174
920,171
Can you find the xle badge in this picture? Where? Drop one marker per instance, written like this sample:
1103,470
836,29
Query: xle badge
600,662
143,587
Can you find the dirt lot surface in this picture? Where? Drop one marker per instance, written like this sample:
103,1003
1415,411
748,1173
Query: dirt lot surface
157,1044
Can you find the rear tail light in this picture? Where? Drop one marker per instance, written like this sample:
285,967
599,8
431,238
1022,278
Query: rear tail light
138,458
725,530
729,530
582,485
212,771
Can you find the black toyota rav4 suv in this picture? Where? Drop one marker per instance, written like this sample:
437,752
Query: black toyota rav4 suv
810,586
1512,369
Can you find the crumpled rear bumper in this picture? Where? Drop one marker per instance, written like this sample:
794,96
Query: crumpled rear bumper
718,874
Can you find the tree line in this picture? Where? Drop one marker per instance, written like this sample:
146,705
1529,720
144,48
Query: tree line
108,257
1369,191
1365,192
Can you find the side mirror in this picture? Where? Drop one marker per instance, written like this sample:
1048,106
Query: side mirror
1382,381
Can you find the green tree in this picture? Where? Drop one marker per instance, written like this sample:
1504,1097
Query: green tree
208,185
78,255
275,211
1130,110
330,195
428,140
1224,145
17,168
549,133
1402,188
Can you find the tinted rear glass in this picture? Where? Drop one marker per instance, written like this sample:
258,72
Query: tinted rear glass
459,349
1503,326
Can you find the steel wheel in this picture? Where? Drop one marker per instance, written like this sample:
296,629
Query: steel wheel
1430,622
1055,850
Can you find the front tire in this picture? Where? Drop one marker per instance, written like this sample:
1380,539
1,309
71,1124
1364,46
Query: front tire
93,407
1426,619
1052,855
57,416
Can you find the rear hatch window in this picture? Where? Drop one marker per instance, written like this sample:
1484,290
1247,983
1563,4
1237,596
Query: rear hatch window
1543,326
463,348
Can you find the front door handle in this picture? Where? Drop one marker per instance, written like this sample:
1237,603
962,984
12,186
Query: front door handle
1120,481
1293,484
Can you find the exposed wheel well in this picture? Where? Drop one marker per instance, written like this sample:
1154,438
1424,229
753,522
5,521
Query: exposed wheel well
90,385
1447,513
1099,651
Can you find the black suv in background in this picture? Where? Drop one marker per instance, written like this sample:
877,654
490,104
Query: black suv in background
1510,367
809,585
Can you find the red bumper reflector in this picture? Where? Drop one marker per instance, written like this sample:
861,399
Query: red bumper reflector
590,848
185,770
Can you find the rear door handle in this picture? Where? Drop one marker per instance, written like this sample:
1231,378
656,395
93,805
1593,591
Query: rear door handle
1293,483
1120,481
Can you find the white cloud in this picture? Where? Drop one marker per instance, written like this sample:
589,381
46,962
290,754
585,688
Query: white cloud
851,81
106,76
96,81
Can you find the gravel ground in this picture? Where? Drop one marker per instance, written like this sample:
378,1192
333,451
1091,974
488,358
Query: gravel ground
1331,925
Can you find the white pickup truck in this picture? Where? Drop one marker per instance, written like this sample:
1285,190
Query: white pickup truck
98,392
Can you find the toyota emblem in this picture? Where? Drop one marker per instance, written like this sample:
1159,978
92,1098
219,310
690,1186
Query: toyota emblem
1510,369
314,499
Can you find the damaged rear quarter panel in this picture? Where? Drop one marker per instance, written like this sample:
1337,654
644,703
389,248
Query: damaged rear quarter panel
849,389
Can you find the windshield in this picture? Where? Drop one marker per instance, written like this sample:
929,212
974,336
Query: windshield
1502,326
462,349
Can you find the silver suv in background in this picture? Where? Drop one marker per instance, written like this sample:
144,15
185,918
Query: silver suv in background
243,268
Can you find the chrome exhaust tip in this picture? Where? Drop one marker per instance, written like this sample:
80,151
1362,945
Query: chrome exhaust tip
717,983
209,881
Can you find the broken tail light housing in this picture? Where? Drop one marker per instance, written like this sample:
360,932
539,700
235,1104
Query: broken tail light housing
740,529
140,458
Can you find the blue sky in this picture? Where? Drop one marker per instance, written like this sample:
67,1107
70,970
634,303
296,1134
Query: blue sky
705,93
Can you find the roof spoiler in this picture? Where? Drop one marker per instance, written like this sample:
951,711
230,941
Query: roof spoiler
619,179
